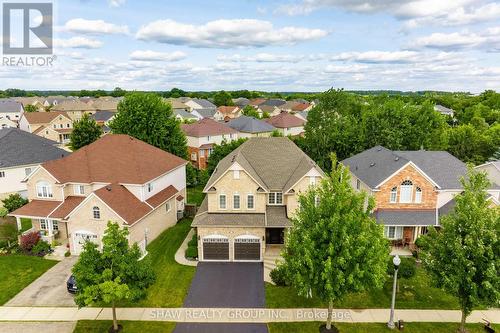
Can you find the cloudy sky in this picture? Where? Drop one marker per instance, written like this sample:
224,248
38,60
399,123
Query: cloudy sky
291,45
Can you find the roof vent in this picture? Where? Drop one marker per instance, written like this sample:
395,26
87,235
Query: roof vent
379,148
372,164
108,187
396,158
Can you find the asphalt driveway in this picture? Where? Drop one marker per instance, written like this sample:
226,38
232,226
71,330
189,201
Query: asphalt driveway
226,285
49,289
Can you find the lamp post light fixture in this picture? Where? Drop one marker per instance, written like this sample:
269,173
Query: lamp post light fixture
396,261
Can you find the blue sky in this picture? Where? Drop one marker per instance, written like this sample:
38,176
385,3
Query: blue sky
294,45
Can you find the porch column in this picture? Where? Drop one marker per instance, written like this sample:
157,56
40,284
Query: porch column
18,221
416,233
49,227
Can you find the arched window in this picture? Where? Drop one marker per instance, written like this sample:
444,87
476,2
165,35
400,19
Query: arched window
43,190
96,212
394,194
418,195
406,190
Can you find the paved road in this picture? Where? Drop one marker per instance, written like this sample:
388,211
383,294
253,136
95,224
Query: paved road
226,285
49,289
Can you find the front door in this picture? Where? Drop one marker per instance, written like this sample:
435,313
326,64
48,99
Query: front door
275,236
408,235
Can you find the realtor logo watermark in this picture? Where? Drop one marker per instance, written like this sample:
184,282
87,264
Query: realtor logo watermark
27,33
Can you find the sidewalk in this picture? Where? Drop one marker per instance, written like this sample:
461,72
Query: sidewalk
237,315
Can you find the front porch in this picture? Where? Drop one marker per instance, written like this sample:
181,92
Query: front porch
50,231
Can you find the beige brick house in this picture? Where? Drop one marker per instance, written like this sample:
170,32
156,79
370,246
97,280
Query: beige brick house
53,125
412,189
250,198
117,178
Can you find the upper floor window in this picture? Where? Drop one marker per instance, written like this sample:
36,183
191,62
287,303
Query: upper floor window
222,201
406,190
236,174
316,200
202,152
208,138
55,125
61,126
250,201
418,195
275,198
312,180
43,190
193,156
96,212
80,189
236,201
150,187
167,207
27,171
2,174
68,125
394,194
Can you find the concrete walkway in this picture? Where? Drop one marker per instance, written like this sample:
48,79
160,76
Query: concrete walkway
179,255
236,315
37,327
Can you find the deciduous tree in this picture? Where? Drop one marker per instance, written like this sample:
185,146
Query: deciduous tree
85,131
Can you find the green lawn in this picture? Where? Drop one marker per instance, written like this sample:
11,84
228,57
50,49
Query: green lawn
312,327
195,195
414,293
25,224
101,326
17,271
172,279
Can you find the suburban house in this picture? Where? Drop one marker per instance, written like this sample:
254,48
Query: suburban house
10,112
241,102
74,108
271,110
53,125
204,113
117,178
109,104
177,105
302,115
412,189
202,136
197,103
444,110
492,169
250,198
227,113
250,127
183,116
295,106
20,154
103,118
287,124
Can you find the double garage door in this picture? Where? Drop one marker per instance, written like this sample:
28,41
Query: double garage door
244,248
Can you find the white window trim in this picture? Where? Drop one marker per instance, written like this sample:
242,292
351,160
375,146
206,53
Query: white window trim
236,174
168,206
225,201
40,186
253,197
275,196
94,210
402,193
2,174
78,188
394,191
418,195
312,180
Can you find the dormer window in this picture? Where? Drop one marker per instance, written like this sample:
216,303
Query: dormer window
275,198
96,212
43,190
406,191
418,195
80,189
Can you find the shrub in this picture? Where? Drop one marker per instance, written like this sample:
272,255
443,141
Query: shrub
14,201
3,212
191,252
406,270
419,242
67,254
278,276
194,241
41,248
29,240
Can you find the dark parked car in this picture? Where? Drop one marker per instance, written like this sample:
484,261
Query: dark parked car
71,285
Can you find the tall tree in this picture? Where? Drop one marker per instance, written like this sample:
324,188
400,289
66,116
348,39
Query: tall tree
464,256
223,98
113,274
147,117
30,108
85,131
250,112
468,144
334,246
334,126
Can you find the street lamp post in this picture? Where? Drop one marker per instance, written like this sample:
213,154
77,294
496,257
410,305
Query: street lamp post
396,261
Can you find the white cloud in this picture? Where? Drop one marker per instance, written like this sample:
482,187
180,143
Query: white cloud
261,57
116,3
94,27
148,55
489,40
226,33
78,42
377,56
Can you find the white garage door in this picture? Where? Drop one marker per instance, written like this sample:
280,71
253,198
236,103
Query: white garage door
79,239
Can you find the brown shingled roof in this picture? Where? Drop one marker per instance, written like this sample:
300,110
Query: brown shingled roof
162,196
66,207
227,109
206,126
123,202
285,120
114,158
37,208
43,117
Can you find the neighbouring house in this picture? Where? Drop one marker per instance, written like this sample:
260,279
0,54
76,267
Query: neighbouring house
241,102
302,115
444,110
287,124
250,199
492,169
103,118
202,136
271,110
116,178
105,103
226,113
185,116
177,104
20,154
37,102
53,125
412,189
11,112
74,108
273,102
249,127
204,113
198,103
255,102
295,106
